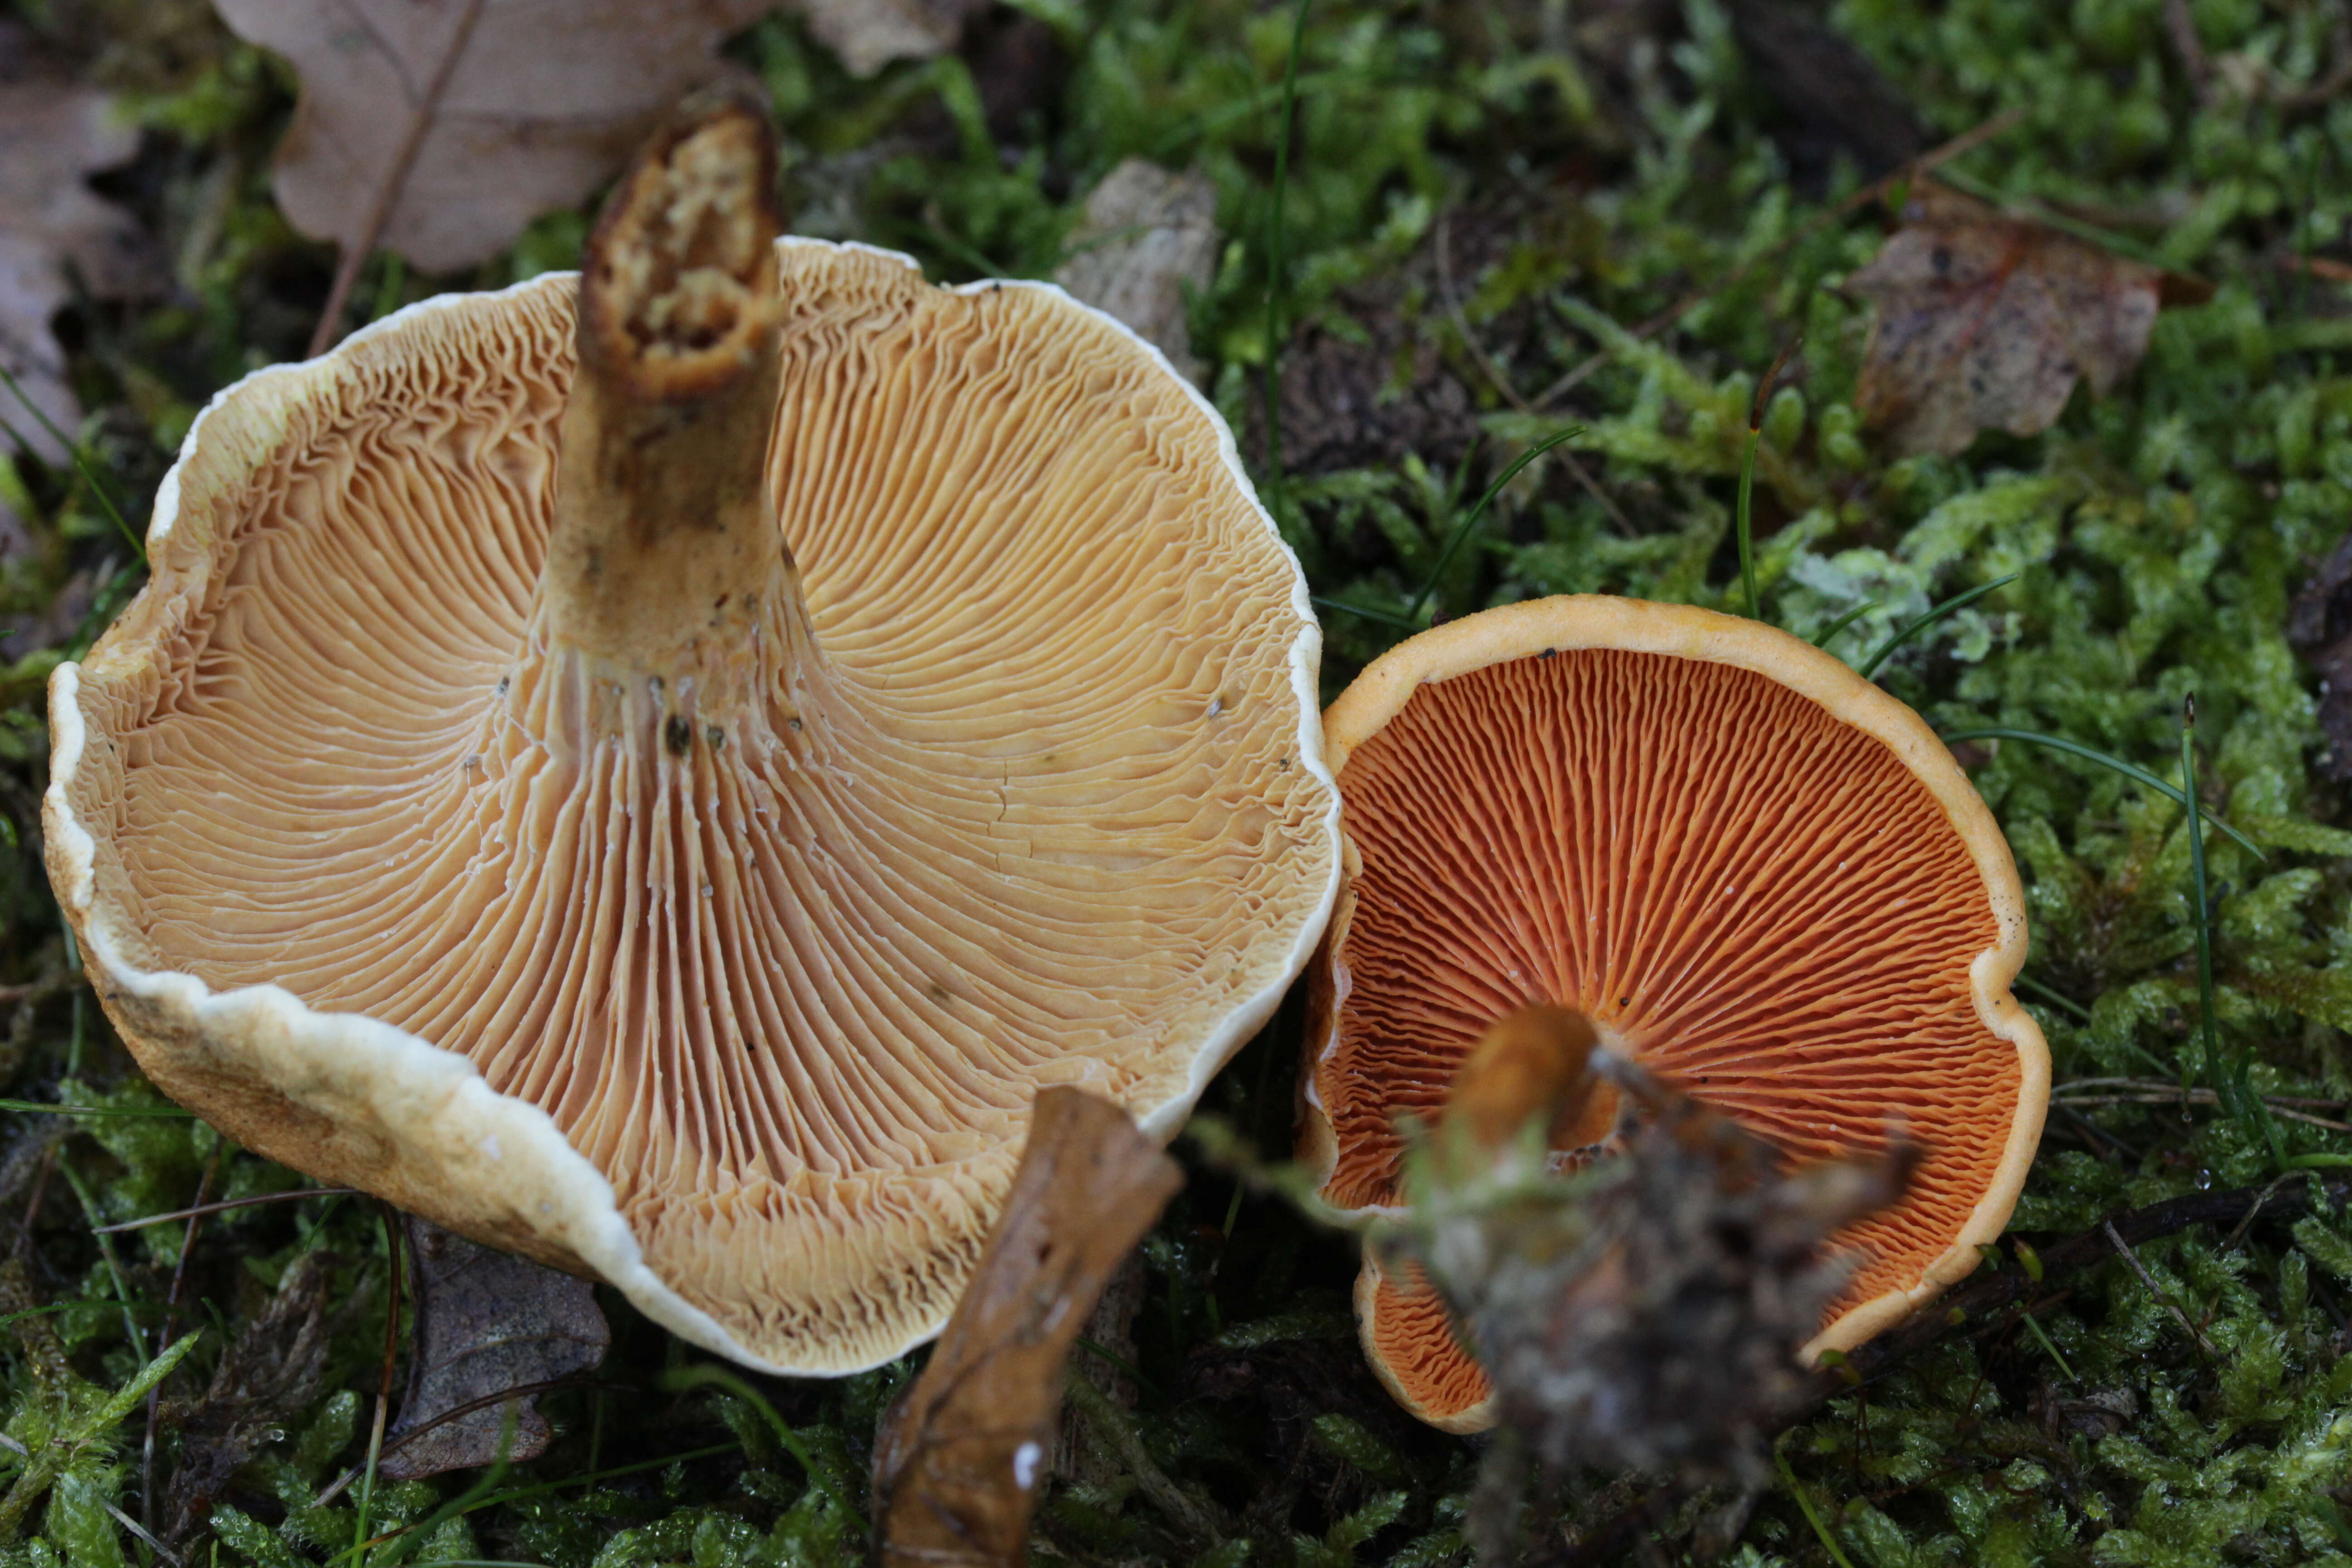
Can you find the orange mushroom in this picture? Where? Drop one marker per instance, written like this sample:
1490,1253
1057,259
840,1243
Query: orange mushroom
1757,873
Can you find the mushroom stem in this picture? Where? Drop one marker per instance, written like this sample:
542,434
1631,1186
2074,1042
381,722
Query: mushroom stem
663,559
1536,1062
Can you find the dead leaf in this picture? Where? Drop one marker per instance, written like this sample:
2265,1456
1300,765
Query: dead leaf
53,137
1147,233
487,1324
869,34
268,1376
547,99
1987,321
958,1462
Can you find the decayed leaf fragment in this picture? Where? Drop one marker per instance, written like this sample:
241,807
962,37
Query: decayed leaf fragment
268,1375
869,34
1147,232
546,101
487,1324
1987,321
1644,1313
53,136
959,1462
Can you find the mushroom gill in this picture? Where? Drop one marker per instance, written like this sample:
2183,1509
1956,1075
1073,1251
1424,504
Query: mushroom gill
987,759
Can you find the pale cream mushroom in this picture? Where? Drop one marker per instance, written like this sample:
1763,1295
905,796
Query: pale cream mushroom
482,805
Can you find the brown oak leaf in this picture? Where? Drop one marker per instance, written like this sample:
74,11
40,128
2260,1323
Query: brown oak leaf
53,136
487,1325
961,1456
1987,321
546,98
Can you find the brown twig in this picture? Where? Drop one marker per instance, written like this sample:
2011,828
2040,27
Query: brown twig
41,988
192,1215
2150,1092
1967,142
2163,1297
1461,319
2326,266
33,1203
504,1396
362,246
2181,29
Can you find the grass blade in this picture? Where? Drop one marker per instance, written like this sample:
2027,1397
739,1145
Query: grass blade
702,1374
1805,1503
1746,533
1470,519
2091,753
2063,1004
1366,611
2235,1083
1957,602
81,463
1745,513
1844,621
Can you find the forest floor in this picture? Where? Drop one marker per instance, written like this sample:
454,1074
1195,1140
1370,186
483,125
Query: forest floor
1496,221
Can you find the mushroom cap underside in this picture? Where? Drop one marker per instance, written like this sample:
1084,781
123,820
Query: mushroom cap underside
750,1026
1763,878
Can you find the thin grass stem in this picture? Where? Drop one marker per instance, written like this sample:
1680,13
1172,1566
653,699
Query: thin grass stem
2205,1023
1278,281
1805,1504
2171,792
1470,519
2065,1003
366,1499
1367,612
1952,605
224,1205
1746,527
73,450
2233,1081
41,1108
703,1374
1844,621
105,1252
2033,1327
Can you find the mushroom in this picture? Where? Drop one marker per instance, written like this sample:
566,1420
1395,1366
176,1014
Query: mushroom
670,817
1753,871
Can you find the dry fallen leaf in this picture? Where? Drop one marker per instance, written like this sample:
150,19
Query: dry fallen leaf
1147,232
1987,321
959,1462
53,136
546,100
486,1323
268,1375
869,34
